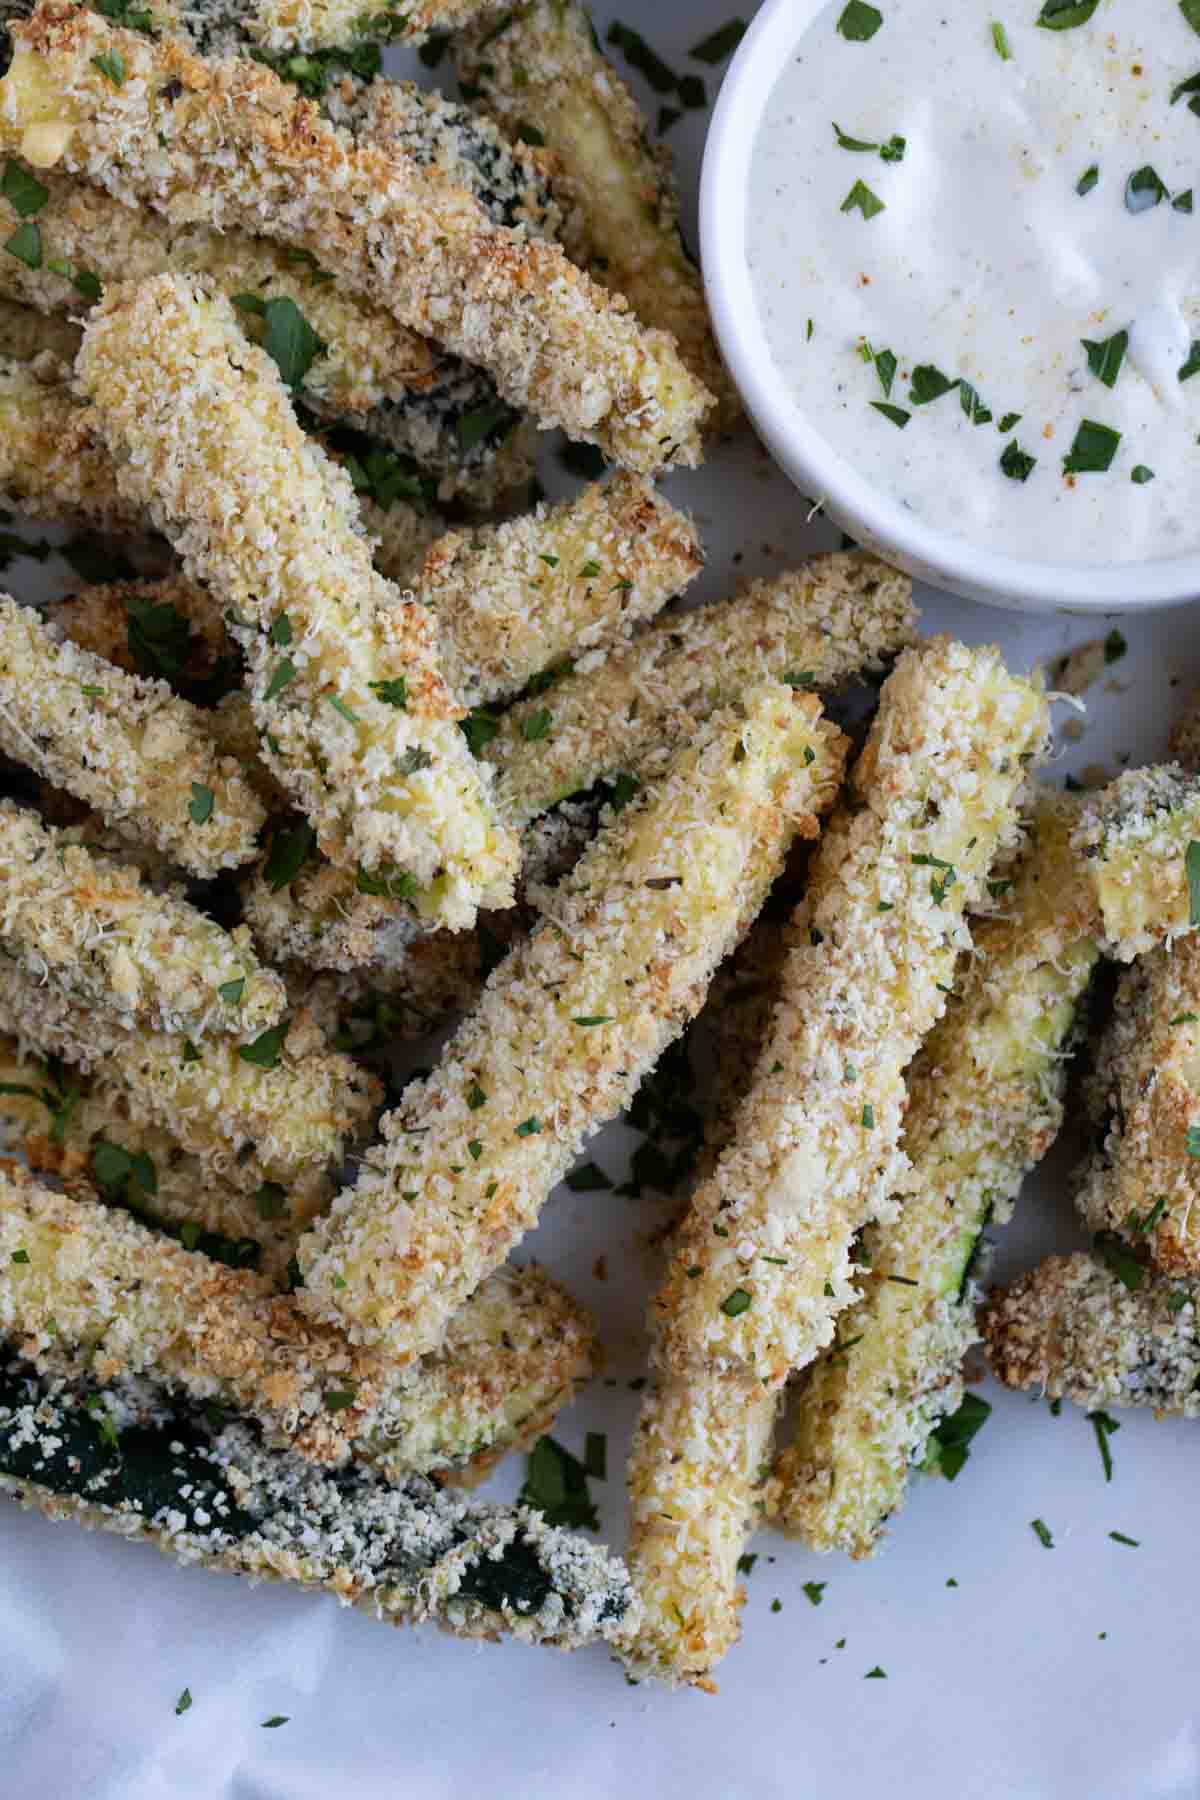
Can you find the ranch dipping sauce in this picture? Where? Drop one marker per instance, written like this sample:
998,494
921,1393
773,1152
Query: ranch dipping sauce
974,237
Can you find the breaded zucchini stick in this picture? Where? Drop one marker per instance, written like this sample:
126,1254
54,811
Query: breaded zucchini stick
126,746
371,372
98,1293
702,1448
836,616
1142,1179
569,1023
50,463
1137,841
61,1121
278,1110
985,1102
340,24
355,716
229,145
216,1498
1075,1330
541,73
149,961
512,600
763,1262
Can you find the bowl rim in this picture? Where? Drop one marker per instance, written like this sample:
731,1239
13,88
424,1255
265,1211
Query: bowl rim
811,463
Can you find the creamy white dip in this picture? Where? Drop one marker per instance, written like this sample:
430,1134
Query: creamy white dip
1046,196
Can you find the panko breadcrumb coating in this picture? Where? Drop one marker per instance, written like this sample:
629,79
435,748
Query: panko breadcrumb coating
284,1113
127,746
342,670
763,1262
985,1102
514,599
1134,842
372,373
569,1023
147,960
59,1120
540,70
839,615
96,1292
213,1497
1074,1330
340,24
51,465
1142,1179
230,145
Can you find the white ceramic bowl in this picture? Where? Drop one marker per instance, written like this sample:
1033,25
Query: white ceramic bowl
818,470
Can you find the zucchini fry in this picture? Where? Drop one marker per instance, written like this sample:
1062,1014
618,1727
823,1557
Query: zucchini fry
273,1111
216,1498
541,74
171,628
985,1102
128,747
815,626
341,24
98,1293
763,1262
1136,841
513,600
1142,1180
569,1023
230,146
1076,1330
149,961
372,373
355,716
81,1129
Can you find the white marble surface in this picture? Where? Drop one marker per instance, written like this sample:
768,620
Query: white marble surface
1052,1675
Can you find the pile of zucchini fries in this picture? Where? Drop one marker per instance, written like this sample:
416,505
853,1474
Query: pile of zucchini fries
385,744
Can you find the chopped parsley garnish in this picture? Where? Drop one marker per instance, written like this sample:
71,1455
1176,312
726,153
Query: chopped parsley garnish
736,1303
270,1201
1142,476
112,64
892,151
476,426
476,1097
859,22
387,882
24,193
284,673
746,1562
20,1256
121,1174
588,1178
815,1591
1191,12
339,706
1064,15
928,384
1105,359
885,364
950,1444
281,630
1104,1425
264,1051
1144,190
1115,646
184,1702
1177,1299
972,405
275,1720
529,1127
1000,41
1191,1140
537,725
1088,180
1118,1537
339,1399
868,1118
288,338
1009,422
640,56
1190,86
875,1674
896,414
720,43
231,991
594,1019
556,1485
200,806
1184,202
479,728
1043,1533
414,760
1191,863
624,789
1120,1260
1093,451
289,852
26,245
1192,365
861,199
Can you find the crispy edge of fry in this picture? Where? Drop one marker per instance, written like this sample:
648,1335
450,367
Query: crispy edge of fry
816,1150
237,148
1134,842
1073,1329
458,1180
